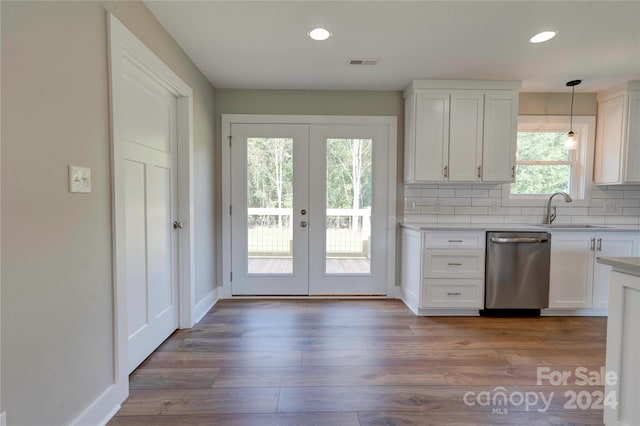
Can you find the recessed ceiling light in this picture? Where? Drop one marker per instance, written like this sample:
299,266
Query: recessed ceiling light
319,34
543,36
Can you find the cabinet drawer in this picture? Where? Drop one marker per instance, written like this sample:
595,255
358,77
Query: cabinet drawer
454,240
452,294
454,264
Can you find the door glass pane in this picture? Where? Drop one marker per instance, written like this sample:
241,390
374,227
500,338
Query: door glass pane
348,227
270,202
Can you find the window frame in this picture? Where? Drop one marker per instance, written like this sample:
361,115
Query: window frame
580,160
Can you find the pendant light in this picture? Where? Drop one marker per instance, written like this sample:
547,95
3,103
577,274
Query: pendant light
571,142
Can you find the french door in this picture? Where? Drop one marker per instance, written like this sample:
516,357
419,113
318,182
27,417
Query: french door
309,209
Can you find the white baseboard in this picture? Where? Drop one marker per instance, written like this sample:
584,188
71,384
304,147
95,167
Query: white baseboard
204,305
103,408
566,312
3,418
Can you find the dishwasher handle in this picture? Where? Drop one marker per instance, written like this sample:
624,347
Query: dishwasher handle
519,240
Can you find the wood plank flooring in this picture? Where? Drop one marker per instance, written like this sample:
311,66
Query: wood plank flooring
363,362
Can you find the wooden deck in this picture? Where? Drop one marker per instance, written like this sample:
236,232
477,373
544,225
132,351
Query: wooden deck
368,362
334,265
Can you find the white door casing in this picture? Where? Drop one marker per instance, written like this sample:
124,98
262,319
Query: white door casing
152,186
386,186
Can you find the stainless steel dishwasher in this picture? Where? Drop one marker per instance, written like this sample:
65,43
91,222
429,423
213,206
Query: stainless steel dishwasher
517,270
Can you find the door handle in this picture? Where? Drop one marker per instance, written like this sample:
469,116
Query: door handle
303,224
599,247
593,244
456,293
177,225
446,171
513,171
479,171
303,212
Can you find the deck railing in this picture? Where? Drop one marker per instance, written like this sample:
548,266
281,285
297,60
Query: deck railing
271,230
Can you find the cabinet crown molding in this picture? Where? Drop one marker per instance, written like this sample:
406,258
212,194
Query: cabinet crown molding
463,85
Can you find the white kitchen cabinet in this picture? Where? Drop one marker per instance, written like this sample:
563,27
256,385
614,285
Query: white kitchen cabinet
576,281
500,129
443,272
623,346
460,131
617,153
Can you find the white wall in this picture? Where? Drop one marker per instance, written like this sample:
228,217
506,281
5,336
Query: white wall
56,270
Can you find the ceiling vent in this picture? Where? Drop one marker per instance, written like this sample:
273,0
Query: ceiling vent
364,61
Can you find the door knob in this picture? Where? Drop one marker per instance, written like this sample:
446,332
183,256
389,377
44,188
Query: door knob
177,225
303,224
303,212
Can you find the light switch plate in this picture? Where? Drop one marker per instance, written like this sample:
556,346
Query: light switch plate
79,179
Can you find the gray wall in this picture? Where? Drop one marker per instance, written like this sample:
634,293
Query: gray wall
57,309
311,102
557,104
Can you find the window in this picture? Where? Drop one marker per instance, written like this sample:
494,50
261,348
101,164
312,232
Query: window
545,166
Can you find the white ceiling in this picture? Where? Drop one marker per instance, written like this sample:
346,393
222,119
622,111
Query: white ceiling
264,44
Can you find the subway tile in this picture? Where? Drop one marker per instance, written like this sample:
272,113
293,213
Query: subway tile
523,219
421,218
455,201
588,220
479,218
471,210
622,220
445,193
631,194
604,212
628,202
484,202
455,186
572,211
472,193
412,192
630,211
454,219
442,210
508,211
495,193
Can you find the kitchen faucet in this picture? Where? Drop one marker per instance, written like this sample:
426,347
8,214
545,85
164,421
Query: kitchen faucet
551,216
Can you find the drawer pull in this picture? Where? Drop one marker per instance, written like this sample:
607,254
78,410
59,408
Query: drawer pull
454,264
449,293
455,241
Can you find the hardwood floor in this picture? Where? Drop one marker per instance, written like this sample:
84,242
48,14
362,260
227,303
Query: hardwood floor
364,362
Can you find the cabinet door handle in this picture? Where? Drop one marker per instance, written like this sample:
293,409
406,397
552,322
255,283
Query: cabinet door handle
455,241
593,244
446,171
513,172
599,248
479,172
449,293
454,264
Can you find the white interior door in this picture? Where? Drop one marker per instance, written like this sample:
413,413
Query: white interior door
348,210
269,201
148,137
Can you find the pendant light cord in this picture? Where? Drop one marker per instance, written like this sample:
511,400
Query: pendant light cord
573,89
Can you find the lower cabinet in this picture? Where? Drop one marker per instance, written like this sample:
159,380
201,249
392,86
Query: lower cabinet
443,272
576,280
623,343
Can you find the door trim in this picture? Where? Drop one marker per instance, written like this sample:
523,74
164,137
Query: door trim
391,225
123,43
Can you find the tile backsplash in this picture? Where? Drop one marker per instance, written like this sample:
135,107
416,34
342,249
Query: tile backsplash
482,203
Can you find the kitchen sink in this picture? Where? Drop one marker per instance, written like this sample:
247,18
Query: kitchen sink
571,226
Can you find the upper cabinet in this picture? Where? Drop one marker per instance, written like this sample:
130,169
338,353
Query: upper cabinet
460,131
617,159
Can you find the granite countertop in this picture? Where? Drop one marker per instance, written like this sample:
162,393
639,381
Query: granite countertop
628,265
515,227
